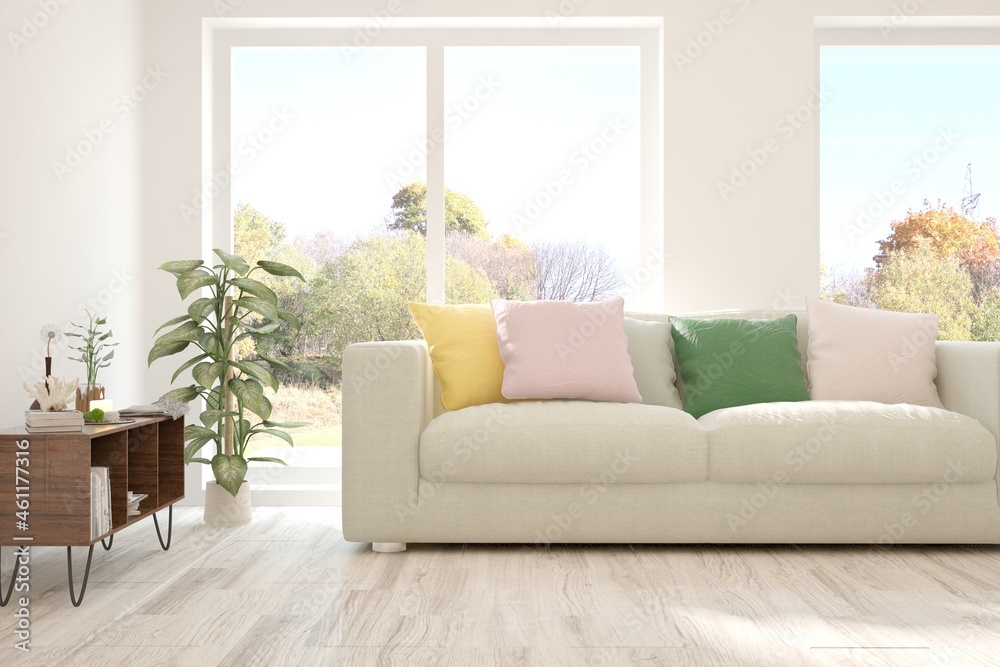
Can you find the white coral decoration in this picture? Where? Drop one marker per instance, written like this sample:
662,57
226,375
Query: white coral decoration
54,397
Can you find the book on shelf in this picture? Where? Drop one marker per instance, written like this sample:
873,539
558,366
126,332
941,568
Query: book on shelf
64,418
100,501
133,502
53,429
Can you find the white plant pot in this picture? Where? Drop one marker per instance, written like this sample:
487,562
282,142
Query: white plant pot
222,510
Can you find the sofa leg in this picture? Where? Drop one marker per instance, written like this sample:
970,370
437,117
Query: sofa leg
388,547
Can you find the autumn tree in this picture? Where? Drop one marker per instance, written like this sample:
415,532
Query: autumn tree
575,271
948,233
461,214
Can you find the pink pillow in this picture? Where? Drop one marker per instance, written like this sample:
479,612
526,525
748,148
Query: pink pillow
561,349
860,354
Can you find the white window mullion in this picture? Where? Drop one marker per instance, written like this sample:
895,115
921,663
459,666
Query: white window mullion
435,173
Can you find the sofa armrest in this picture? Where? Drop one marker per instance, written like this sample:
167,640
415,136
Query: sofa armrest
387,393
968,382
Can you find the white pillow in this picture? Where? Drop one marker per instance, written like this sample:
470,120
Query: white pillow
860,354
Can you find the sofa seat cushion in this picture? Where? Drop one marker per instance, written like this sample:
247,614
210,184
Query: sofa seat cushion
564,442
847,442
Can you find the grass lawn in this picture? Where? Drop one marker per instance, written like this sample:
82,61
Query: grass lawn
319,437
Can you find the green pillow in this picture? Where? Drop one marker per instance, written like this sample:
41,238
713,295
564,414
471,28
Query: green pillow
728,362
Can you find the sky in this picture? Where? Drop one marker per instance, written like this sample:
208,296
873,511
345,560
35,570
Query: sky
544,139
899,127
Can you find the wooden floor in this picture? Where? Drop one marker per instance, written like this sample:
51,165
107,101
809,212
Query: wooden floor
287,590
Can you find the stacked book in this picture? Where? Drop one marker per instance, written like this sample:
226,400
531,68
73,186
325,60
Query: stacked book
133,502
66,421
100,501
142,411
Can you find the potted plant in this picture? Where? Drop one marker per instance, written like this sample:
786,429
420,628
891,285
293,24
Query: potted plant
239,308
93,344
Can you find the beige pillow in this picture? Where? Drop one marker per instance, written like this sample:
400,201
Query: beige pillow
860,354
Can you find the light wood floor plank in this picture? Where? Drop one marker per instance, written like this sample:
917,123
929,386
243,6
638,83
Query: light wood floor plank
287,590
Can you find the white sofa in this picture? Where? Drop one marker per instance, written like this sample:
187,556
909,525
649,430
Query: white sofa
584,472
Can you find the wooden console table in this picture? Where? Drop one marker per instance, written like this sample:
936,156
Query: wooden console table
145,456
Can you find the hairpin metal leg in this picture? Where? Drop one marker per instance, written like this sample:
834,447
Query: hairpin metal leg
86,574
107,544
4,599
170,528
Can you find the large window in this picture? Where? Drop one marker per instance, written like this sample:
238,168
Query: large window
453,165
910,182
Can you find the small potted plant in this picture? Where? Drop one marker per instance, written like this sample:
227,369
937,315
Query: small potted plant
95,353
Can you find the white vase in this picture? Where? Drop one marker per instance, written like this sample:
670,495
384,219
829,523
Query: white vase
223,510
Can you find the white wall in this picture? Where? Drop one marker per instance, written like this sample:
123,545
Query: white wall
76,242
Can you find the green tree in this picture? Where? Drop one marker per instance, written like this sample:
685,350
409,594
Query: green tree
363,294
986,323
255,236
920,280
461,214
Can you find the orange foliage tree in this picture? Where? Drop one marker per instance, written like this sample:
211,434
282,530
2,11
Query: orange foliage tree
948,232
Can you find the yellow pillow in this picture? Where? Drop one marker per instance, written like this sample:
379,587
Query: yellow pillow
462,341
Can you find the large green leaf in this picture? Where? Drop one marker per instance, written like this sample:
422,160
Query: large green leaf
289,317
181,266
211,417
249,392
168,323
184,394
233,262
275,363
265,408
186,365
230,472
193,447
194,280
201,308
208,374
189,331
165,350
277,434
267,459
194,431
279,269
256,288
210,344
270,424
258,306
258,371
